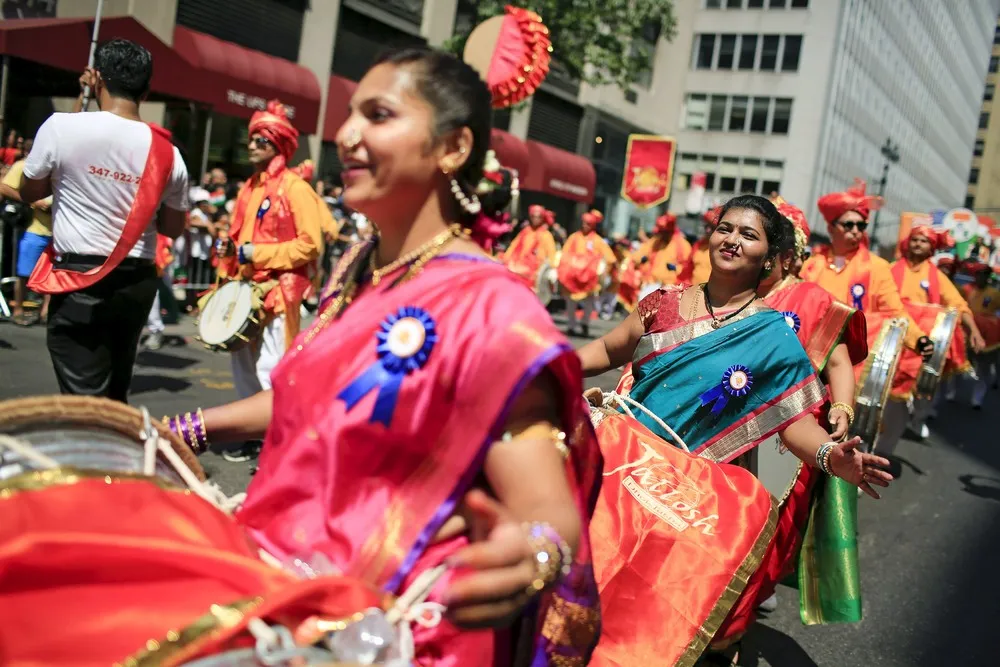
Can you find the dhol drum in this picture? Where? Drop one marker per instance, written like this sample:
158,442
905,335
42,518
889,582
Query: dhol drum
109,555
230,318
543,283
941,335
873,387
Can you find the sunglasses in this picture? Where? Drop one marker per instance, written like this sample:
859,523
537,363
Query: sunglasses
261,142
849,226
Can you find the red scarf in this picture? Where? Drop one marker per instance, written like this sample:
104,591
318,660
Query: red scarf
48,279
933,287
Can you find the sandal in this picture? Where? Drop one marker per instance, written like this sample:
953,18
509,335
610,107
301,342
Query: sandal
24,320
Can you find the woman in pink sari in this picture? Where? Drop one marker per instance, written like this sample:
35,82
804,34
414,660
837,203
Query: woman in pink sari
433,413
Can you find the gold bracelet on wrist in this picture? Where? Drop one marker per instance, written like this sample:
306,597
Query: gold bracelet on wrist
847,409
557,437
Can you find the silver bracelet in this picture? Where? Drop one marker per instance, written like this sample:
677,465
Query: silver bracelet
823,457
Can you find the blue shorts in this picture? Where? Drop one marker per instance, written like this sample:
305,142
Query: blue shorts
29,248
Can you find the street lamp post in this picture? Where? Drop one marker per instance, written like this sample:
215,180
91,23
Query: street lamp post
890,152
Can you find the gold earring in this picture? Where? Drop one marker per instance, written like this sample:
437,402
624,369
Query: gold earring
448,166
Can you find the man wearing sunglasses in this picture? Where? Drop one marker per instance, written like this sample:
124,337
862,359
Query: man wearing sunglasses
274,241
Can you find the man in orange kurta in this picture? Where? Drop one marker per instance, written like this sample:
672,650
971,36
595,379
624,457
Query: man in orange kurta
276,241
699,267
927,294
662,257
586,259
856,276
533,246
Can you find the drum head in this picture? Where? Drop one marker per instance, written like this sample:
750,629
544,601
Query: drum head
543,288
225,313
777,467
85,433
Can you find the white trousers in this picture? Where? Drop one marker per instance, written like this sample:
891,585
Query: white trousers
586,304
252,364
894,419
606,303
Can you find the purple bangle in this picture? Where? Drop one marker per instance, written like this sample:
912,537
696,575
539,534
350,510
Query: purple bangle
200,434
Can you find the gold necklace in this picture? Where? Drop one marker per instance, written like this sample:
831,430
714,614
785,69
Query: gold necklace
410,257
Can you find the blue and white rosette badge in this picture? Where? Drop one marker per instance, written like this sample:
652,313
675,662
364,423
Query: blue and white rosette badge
792,320
857,293
736,383
925,285
265,206
405,341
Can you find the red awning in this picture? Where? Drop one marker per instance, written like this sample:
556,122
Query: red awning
243,80
64,43
559,173
511,152
338,97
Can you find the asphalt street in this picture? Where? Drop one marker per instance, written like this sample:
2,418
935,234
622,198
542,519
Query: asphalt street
928,548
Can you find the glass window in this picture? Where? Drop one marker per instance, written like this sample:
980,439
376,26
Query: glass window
984,121
800,4
790,56
970,201
748,51
713,4
758,117
755,4
989,91
687,163
996,37
980,148
994,63
727,184
717,113
973,176
769,53
730,166
748,185
777,4
696,111
782,115
727,51
710,181
709,164
706,49
738,113
734,4
767,187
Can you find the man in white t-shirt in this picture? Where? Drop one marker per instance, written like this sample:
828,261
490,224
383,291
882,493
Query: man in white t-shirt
94,164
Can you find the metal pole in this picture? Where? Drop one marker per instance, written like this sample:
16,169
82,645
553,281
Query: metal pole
881,193
3,93
93,49
208,143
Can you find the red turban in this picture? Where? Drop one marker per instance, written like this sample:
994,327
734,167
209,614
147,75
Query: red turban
273,125
593,217
940,238
836,204
666,223
550,217
711,216
306,169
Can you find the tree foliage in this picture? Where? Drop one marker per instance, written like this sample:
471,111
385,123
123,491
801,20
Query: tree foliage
597,41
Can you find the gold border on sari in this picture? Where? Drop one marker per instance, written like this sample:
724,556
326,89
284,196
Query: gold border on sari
655,342
39,480
767,421
828,334
737,584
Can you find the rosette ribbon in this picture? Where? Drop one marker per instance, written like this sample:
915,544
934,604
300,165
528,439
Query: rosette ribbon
925,285
736,382
792,319
857,293
405,341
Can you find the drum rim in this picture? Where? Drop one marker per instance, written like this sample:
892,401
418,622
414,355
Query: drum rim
237,286
52,411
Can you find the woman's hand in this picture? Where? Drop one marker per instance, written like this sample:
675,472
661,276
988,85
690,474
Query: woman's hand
838,423
860,469
499,567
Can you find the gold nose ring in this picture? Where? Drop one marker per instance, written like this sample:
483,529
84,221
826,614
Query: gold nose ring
352,140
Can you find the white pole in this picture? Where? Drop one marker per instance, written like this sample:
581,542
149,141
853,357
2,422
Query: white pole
93,49
207,144
3,94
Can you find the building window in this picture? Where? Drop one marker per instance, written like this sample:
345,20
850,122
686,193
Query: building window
727,51
777,4
994,63
769,53
970,202
989,91
758,117
984,121
729,175
782,115
717,113
734,4
755,4
980,148
738,113
973,176
713,4
790,56
705,51
748,51
696,112
800,4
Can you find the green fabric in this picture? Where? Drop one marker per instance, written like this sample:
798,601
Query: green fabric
829,575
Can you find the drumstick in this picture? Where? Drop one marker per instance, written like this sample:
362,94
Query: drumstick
25,450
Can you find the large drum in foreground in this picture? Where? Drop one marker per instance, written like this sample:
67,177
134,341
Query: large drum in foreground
941,335
101,565
875,382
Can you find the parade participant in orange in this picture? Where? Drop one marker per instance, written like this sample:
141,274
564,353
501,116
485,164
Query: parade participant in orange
927,293
430,421
666,252
532,246
699,266
849,271
274,240
586,259
984,301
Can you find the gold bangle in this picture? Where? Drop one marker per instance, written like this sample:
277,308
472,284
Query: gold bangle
557,437
848,410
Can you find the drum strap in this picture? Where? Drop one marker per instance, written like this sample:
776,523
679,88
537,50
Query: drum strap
47,279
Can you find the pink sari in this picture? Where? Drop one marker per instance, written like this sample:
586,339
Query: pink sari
366,458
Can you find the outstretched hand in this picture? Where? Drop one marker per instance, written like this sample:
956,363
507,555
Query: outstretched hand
860,469
499,566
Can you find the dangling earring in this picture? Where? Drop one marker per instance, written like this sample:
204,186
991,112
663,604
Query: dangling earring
471,204
768,267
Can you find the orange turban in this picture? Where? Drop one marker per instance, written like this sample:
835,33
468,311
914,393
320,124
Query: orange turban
940,238
666,223
836,204
711,216
593,217
273,125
